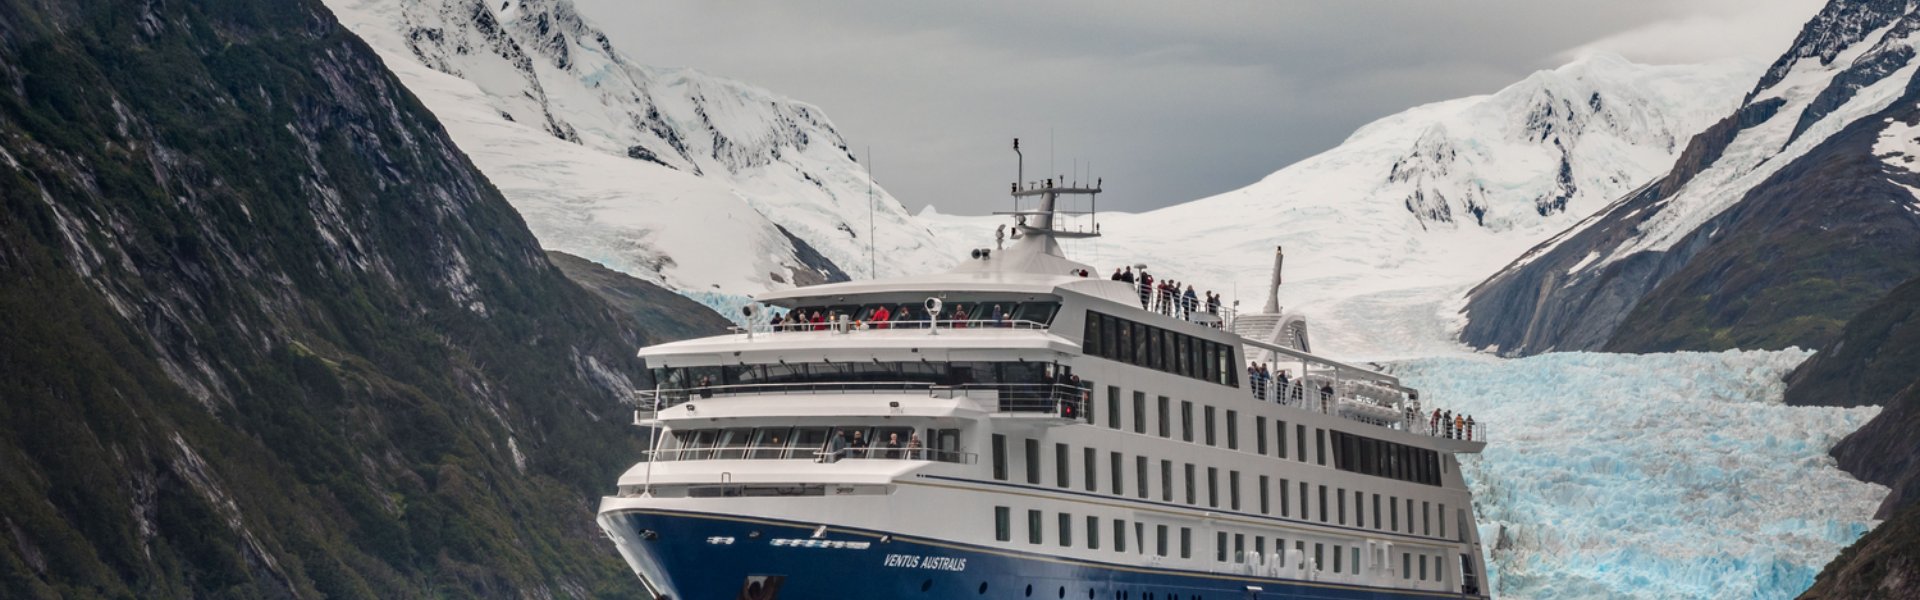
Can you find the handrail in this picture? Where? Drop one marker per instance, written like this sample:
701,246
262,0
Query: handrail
1298,394
1010,397
812,454
848,325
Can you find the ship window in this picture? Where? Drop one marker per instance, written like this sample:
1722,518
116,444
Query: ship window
1220,546
1156,349
1322,503
1140,537
1033,527
1286,498
1166,418
1442,516
1160,543
1033,461
1140,412
806,441
702,441
1393,513
1376,511
1280,437
1169,351
1304,514
1423,567
1002,524
1406,565
1090,339
1186,421
1116,464
1260,435
1409,515
1113,407
1426,518
1320,446
1319,556
1265,495
1336,559
1061,477
1140,338
1213,487
1233,430
1123,344
1354,551
1000,457
1183,347
1093,532
771,442
1233,490
1036,312
1191,498
1211,438
1300,441
1119,535
1088,456
1340,502
1140,476
1166,481
1260,545
1186,542
1066,530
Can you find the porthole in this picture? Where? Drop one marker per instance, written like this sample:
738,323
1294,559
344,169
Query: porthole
1063,591
983,588
1029,590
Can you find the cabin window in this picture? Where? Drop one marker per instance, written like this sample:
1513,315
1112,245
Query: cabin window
1191,497
1166,481
1304,514
1322,503
1233,490
1140,476
1210,427
1220,546
1160,543
1166,418
1426,518
1034,534
1066,530
1406,565
1141,356
1140,412
1233,430
1088,456
1123,350
1000,457
1320,446
1113,407
1093,532
1442,516
1340,499
1280,437
1213,487
1376,511
1186,542
1186,421
1033,461
1060,468
1286,501
1110,337
1260,435
1265,495
1119,535
1116,463
1393,513
1002,524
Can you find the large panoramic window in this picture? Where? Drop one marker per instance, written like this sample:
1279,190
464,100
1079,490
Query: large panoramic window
1114,338
1380,458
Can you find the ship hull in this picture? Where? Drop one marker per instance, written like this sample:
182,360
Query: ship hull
699,556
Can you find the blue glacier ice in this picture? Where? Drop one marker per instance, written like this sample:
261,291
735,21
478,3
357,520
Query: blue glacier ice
1651,476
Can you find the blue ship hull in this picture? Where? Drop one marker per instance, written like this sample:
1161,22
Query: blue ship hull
695,556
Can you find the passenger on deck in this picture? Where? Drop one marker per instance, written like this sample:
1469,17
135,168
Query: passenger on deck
819,322
914,449
999,316
1469,428
1189,303
880,316
858,447
836,447
960,317
890,449
1326,398
1459,427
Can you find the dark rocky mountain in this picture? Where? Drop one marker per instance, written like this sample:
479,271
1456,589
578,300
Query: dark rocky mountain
1875,361
670,315
266,333
1774,226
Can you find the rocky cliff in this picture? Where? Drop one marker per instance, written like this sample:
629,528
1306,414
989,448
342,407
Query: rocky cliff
266,333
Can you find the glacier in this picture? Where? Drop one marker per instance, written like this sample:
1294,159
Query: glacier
1651,476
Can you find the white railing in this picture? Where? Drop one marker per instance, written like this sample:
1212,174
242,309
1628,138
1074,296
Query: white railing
1353,407
847,325
1050,398
811,453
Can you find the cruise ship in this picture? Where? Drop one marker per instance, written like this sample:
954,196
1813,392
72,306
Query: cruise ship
1026,426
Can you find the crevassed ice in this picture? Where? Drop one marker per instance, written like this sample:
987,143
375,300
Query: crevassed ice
1652,476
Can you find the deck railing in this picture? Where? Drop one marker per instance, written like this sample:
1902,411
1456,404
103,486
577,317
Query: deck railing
849,326
1059,399
1363,409
811,454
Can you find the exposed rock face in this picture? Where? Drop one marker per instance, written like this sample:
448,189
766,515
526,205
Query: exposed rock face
1773,227
269,334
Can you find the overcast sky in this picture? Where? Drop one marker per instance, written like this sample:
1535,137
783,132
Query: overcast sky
1169,101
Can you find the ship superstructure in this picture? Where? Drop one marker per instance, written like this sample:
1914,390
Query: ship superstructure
1023,426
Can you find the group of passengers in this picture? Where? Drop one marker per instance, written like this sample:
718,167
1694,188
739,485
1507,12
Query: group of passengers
904,317
1445,423
1277,385
839,447
1168,297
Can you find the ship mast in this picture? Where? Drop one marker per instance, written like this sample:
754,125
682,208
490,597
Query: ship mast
1047,222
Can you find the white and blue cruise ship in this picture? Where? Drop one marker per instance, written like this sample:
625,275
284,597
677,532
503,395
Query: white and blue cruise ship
1016,428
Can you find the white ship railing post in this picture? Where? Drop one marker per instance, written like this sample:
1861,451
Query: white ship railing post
653,444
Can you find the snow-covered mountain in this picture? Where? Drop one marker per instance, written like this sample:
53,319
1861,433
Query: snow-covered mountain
701,183
1424,203
1776,225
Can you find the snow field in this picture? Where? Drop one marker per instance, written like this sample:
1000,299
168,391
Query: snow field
1651,476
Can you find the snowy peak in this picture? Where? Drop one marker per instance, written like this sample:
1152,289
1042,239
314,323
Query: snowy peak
627,164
